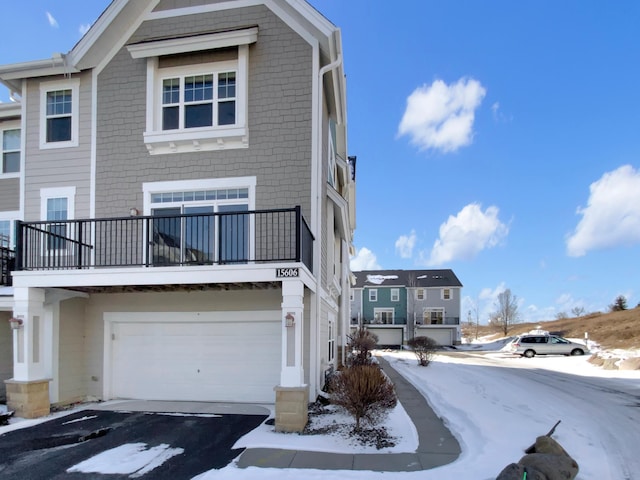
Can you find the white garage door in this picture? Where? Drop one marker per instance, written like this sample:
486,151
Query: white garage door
388,336
442,336
205,356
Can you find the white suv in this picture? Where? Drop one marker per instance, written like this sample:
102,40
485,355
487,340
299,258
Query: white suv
531,345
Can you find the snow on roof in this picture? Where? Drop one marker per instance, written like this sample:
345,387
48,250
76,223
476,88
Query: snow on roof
379,279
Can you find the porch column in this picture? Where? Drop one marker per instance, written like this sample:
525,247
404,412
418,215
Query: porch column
292,371
292,395
28,390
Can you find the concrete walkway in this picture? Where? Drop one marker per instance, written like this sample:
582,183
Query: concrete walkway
436,444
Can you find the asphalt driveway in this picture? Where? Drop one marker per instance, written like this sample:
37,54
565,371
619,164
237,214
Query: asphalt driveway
98,444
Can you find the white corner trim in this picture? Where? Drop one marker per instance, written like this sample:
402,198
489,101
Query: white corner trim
194,43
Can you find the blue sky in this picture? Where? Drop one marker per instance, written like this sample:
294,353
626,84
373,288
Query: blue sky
500,139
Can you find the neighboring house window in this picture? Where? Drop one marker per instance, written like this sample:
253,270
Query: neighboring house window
332,339
420,294
202,237
10,143
352,296
197,91
373,295
383,316
446,294
395,294
433,316
57,205
59,114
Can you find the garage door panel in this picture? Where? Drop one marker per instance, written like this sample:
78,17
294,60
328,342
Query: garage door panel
205,361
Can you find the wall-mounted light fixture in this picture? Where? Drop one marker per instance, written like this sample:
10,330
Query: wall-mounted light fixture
290,319
133,212
15,323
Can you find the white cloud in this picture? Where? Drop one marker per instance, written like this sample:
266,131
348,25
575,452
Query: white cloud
52,21
462,237
612,215
441,116
364,259
405,244
84,28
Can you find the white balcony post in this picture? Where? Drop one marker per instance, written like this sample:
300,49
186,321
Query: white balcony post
29,338
292,372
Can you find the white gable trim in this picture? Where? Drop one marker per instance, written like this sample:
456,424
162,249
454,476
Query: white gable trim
193,44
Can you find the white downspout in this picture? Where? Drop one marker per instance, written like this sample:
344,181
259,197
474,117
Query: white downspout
314,374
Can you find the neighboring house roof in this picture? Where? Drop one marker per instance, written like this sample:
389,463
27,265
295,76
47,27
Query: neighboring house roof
406,278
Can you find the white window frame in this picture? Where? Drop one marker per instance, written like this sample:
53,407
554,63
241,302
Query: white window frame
45,88
7,126
373,294
150,188
352,296
331,339
10,217
446,294
378,311
426,320
159,141
47,194
420,294
395,294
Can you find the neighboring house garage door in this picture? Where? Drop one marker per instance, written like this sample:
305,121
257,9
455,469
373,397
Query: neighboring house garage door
205,356
441,335
388,335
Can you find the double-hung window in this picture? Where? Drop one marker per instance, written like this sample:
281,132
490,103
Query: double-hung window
207,99
373,295
197,91
57,206
446,294
10,144
59,114
395,294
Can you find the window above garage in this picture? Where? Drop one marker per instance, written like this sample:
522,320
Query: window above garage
197,91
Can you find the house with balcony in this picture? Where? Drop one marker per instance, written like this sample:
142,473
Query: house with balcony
398,305
181,211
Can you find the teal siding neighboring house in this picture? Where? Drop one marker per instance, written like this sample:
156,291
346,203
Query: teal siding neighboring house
398,305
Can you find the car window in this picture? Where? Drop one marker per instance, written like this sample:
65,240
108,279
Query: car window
558,340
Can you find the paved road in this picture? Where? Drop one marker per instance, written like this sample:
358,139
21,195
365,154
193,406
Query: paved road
197,443
607,410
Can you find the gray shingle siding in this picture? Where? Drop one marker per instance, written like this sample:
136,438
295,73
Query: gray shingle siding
9,194
58,167
279,119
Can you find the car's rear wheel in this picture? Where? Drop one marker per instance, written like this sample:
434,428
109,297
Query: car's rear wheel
529,353
577,351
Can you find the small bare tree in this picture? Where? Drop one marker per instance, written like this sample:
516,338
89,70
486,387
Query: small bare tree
577,311
365,392
424,348
359,345
506,313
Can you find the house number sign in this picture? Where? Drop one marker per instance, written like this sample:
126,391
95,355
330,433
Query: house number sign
287,272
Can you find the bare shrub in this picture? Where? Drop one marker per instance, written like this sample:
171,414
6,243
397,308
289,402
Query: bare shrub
360,345
365,392
424,348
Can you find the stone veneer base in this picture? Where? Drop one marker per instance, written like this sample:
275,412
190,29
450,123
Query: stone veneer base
292,408
28,399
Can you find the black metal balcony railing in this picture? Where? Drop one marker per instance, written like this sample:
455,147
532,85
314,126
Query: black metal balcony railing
190,239
7,262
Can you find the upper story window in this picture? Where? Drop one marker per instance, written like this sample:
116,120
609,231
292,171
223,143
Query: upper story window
59,114
395,294
373,295
446,294
197,91
420,294
196,101
10,144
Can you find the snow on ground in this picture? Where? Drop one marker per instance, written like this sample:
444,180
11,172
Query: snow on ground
487,402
